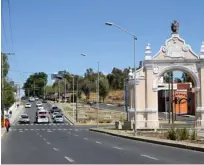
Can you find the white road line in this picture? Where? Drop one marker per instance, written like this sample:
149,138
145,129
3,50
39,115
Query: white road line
59,129
55,149
48,142
85,138
53,129
117,148
14,129
150,157
31,124
69,159
98,142
31,129
44,139
65,129
20,131
76,135
42,129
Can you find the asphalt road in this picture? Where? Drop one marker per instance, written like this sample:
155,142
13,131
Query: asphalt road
64,144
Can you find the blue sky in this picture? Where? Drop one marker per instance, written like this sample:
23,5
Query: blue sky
50,35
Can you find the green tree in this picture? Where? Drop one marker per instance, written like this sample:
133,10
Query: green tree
103,88
34,85
186,78
8,88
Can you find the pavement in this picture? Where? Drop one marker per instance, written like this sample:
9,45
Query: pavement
68,144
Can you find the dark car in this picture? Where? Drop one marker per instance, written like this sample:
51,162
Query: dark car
44,101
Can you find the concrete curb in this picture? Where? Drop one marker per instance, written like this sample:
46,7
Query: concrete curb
3,132
183,145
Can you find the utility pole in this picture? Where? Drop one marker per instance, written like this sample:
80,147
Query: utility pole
98,96
76,102
73,100
169,92
34,88
172,89
44,89
65,90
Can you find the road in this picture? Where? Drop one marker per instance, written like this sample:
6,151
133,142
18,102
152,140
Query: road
66,144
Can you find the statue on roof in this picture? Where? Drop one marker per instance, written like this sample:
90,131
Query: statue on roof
175,27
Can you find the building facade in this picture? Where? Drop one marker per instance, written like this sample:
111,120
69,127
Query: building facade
174,55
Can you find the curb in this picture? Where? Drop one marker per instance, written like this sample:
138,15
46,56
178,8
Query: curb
154,140
3,132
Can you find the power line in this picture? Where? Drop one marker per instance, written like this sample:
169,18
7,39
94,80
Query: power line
3,27
10,23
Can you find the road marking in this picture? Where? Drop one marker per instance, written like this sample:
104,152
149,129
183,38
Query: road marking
76,135
44,139
31,129
53,129
150,157
31,124
55,149
117,148
14,129
20,131
42,129
65,129
48,142
59,129
69,159
98,142
85,138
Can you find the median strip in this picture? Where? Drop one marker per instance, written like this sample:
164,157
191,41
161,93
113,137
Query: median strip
184,145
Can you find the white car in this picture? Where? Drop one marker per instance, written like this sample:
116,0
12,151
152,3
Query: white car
27,105
42,119
24,119
40,108
38,104
54,114
36,98
31,99
58,118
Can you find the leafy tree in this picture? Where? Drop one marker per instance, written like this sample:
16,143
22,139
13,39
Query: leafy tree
186,78
8,88
103,88
34,85
177,80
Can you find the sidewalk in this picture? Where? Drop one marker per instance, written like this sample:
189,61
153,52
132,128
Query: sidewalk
15,114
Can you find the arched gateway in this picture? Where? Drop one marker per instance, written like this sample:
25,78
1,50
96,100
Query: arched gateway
175,54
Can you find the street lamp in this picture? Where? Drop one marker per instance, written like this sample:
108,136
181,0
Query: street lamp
97,91
134,39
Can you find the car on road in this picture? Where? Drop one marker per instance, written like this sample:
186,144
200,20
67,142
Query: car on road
24,119
42,119
58,118
53,109
31,99
36,98
44,101
55,114
38,103
28,105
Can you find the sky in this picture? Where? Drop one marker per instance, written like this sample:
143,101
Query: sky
49,35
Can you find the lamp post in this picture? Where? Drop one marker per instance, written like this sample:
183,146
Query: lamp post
134,39
96,92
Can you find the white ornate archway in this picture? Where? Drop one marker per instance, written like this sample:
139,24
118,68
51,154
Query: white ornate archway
175,54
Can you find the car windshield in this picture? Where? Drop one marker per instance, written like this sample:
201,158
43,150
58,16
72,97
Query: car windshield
59,116
27,104
41,113
24,116
43,117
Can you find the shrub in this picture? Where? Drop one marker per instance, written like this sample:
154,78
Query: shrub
194,135
172,134
184,134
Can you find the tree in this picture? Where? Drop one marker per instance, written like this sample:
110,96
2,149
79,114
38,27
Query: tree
7,87
186,78
177,80
103,88
34,85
